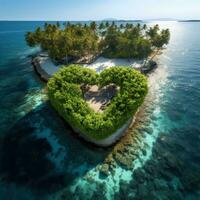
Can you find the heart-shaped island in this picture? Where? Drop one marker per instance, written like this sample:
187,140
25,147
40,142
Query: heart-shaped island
100,107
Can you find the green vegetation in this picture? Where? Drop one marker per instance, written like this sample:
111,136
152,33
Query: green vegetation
75,41
130,43
66,96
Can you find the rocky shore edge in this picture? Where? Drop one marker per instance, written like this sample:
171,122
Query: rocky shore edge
112,139
38,69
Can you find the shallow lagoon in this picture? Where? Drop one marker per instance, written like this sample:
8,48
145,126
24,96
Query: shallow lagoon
42,159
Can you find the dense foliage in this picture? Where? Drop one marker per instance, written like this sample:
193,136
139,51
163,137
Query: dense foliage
72,41
129,43
66,96
78,40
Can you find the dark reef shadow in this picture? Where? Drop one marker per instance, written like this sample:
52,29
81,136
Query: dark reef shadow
24,157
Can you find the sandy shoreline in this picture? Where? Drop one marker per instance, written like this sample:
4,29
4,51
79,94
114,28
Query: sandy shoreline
45,67
103,63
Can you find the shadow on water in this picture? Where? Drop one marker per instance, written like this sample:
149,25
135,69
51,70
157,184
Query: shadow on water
42,153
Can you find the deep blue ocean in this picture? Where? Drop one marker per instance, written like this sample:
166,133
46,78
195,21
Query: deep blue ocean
41,158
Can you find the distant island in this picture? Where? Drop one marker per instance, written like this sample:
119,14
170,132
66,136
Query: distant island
121,20
99,104
193,20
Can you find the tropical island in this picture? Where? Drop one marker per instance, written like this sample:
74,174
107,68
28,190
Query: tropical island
99,105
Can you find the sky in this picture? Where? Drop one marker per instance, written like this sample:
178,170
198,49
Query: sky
98,9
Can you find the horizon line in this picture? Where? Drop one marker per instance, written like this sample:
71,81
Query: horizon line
41,20
88,20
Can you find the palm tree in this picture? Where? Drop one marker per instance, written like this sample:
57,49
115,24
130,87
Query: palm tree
93,26
113,24
107,24
138,26
121,26
144,27
58,24
102,26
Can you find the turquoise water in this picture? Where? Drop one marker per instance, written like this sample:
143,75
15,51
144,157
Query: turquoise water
41,158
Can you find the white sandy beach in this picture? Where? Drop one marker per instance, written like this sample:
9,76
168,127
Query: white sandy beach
99,65
102,63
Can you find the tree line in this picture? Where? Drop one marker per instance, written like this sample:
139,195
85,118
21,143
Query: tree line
109,39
